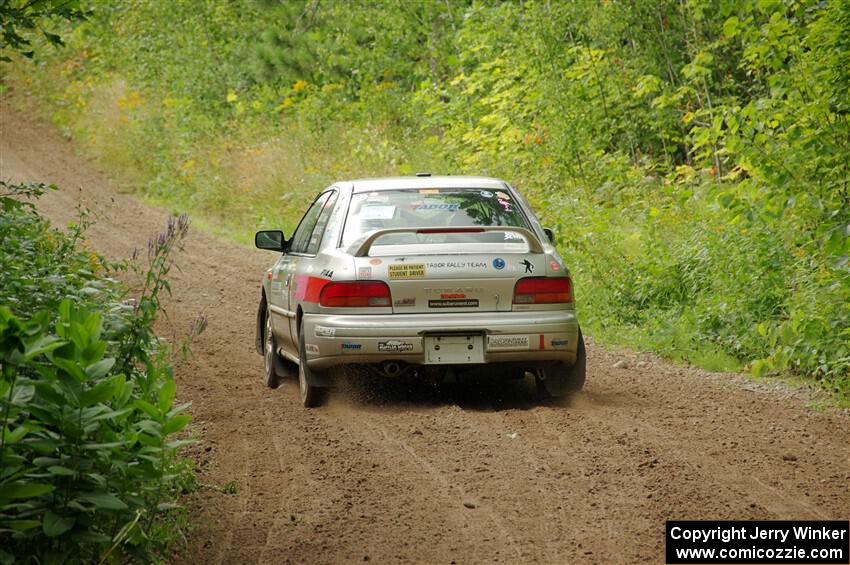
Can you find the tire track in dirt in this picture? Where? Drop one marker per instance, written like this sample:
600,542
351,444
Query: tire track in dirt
441,478
491,438
382,471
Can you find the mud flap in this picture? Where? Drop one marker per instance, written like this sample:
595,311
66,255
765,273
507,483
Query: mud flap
261,318
557,380
322,379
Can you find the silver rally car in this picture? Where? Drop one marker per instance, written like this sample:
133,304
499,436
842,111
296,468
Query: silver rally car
426,275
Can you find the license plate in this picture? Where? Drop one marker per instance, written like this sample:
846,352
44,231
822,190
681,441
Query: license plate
454,349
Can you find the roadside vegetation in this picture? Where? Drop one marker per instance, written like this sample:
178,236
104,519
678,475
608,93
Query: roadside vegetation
693,156
89,470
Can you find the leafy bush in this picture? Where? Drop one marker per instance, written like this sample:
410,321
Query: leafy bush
41,266
88,458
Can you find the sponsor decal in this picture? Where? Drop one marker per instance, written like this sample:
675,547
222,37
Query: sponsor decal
456,265
407,271
454,303
513,236
529,266
453,295
507,342
441,206
364,273
351,347
375,261
498,263
327,273
486,194
324,331
311,348
506,205
558,343
503,195
395,346
465,289
404,302
554,265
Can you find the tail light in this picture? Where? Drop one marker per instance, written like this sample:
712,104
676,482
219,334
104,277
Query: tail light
355,294
542,290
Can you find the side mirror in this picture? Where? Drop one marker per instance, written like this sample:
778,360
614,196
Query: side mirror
273,240
550,234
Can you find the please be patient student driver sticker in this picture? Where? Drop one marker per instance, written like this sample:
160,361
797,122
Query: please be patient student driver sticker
407,271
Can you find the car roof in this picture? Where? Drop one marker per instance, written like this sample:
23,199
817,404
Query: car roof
397,183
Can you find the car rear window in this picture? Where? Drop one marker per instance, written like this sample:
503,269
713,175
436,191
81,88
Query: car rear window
431,208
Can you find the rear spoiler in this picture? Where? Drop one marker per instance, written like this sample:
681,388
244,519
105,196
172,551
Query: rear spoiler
361,247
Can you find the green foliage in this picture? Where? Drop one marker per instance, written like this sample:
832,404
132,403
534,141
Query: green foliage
41,266
692,154
88,464
19,17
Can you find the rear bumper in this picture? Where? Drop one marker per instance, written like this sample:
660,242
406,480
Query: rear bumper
332,340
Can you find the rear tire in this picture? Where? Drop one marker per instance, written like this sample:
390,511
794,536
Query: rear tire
311,396
556,379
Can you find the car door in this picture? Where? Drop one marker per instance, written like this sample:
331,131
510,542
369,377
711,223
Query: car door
283,273
300,260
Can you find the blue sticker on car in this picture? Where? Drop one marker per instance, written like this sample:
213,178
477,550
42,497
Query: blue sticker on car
498,263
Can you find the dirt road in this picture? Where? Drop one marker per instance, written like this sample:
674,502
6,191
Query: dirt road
397,473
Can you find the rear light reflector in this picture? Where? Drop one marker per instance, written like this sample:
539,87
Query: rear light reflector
542,290
355,294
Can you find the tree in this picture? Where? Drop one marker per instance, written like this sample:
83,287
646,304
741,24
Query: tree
21,18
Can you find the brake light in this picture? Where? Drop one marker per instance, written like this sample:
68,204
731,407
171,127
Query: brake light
355,294
450,230
542,290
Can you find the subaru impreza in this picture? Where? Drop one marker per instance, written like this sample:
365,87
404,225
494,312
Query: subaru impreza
426,276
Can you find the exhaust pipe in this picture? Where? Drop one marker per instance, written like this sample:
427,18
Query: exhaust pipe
391,368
